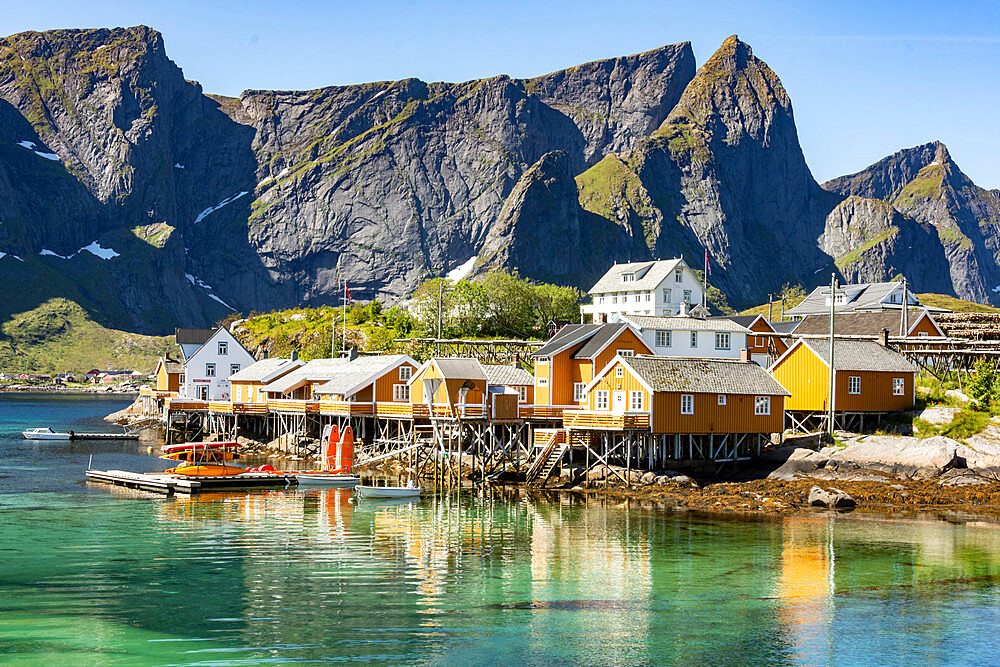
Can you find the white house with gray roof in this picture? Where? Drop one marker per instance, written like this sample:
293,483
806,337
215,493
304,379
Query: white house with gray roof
662,288
855,298
691,337
208,369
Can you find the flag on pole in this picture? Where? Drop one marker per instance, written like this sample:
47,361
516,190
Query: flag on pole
708,267
348,293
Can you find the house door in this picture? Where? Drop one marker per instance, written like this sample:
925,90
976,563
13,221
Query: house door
203,392
618,402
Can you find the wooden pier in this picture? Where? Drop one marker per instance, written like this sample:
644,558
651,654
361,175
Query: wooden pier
169,484
103,436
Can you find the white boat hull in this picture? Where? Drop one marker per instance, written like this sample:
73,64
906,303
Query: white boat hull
388,491
319,479
45,435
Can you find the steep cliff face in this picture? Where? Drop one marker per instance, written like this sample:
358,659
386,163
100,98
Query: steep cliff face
926,185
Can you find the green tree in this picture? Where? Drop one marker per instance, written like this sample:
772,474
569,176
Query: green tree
552,302
512,305
982,386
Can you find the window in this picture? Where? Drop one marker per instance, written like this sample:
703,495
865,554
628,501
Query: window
678,275
666,296
662,338
522,394
921,334
234,369
628,277
854,384
600,299
687,296
721,340
897,386
180,378
405,372
601,400
543,360
543,382
722,399
400,392
762,405
618,372
694,339
578,394
614,299
210,370
223,347
635,401
687,404
625,353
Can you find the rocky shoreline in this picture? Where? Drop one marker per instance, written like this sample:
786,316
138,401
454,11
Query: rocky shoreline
60,389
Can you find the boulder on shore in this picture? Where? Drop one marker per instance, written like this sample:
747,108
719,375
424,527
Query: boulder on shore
832,499
902,456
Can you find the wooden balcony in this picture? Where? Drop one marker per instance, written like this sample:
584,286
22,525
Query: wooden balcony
220,406
402,410
231,408
346,408
155,393
186,404
541,412
292,405
605,421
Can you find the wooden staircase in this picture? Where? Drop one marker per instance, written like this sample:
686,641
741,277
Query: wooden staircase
541,468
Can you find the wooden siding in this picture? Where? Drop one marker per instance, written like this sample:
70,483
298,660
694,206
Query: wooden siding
807,378
626,340
384,384
924,326
448,391
627,383
248,392
565,371
167,381
736,416
761,344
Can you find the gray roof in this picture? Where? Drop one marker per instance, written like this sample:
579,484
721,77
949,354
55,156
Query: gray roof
507,375
742,320
172,365
864,296
569,335
683,323
648,276
185,336
868,323
604,334
707,376
860,355
460,368
312,371
785,327
361,372
256,372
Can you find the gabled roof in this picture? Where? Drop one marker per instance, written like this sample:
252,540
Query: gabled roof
648,275
854,355
192,336
864,296
460,368
357,374
601,338
869,323
221,331
266,370
312,371
785,327
644,322
172,365
705,376
745,321
568,336
510,376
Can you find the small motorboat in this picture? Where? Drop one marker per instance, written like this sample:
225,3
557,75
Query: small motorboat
46,434
198,452
205,470
321,478
411,491
197,446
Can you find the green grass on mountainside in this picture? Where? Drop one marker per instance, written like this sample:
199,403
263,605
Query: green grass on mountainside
775,307
955,304
59,337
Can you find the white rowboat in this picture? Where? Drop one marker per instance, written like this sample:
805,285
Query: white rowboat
388,491
327,479
45,434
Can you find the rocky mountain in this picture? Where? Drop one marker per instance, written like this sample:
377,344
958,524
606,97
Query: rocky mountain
125,188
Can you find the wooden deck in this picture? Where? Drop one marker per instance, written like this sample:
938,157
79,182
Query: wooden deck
589,419
171,484
346,408
541,412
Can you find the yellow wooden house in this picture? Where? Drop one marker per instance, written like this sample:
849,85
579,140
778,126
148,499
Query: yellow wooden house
246,386
169,372
450,387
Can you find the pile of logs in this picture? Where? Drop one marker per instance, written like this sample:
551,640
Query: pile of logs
971,326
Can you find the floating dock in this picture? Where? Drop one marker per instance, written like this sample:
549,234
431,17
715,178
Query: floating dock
103,436
169,484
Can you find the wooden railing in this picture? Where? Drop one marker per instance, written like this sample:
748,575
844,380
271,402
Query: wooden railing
328,407
156,393
405,410
292,405
605,420
547,412
186,404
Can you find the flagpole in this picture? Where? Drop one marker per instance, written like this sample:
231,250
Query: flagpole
345,316
704,288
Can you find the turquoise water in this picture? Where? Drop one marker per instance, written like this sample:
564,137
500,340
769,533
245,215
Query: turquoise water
95,575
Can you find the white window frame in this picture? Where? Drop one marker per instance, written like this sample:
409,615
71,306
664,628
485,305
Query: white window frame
687,296
854,385
762,405
542,382
647,296
687,404
922,334
234,369
543,360
619,372
666,295
663,337
678,275
578,393
898,386
602,399
694,339
723,336
628,277
625,353
210,370
405,372
223,348
401,393
522,393
722,399
635,401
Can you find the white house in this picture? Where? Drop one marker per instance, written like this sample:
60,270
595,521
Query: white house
663,288
692,337
191,340
208,369
856,298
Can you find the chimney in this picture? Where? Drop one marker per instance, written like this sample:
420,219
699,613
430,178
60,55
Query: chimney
352,354
745,354
885,338
295,355
682,311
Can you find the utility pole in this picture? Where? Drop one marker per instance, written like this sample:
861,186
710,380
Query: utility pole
905,315
344,303
333,318
770,309
833,372
440,299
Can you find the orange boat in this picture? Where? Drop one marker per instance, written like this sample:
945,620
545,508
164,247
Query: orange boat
206,470
338,453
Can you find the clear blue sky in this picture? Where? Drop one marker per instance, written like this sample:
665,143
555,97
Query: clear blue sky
865,78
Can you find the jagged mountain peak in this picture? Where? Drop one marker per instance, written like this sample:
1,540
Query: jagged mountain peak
887,177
